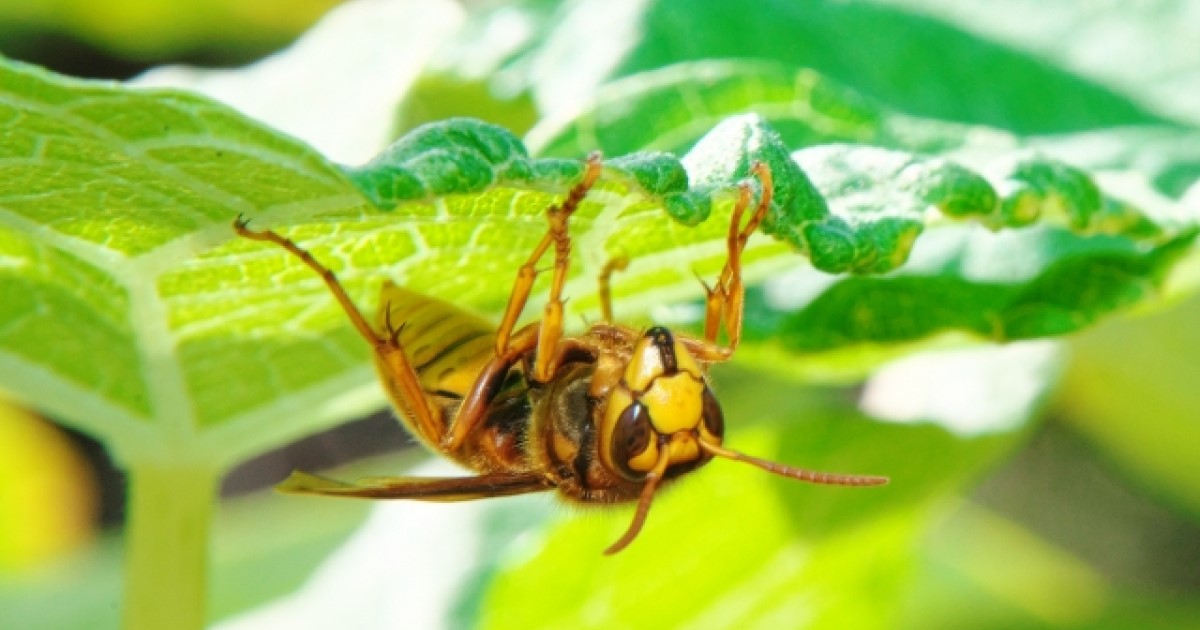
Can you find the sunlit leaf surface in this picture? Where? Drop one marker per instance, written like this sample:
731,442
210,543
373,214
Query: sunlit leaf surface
113,193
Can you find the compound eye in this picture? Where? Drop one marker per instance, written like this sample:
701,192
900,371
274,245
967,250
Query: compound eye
714,420
630,438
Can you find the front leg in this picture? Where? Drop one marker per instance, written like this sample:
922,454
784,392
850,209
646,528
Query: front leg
726,300
551,328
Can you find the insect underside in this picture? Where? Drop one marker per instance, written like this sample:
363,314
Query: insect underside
606,416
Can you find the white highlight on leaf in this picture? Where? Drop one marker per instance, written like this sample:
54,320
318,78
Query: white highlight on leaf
1191,199
796,289
479,55
573,63
338,86
1136,189
682,314
12,262
968,391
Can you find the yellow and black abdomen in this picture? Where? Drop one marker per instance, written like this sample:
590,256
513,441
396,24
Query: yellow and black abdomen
445,345
450,350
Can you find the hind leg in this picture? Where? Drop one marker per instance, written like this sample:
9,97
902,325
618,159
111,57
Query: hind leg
392,359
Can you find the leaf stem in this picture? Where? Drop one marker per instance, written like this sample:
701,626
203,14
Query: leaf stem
166,572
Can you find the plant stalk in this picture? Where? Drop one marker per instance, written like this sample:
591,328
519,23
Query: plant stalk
166,571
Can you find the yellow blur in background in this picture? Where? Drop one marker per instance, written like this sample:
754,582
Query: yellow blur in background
143,29
48,494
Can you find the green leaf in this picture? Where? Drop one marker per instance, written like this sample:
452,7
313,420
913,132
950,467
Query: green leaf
1084,249
166,172
1087,256
439,97
920,64
871,48
467,78
113,322
106,192
1081,280
456,156
1153,63
689,98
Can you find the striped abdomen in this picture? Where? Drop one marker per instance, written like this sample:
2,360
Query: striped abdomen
445,345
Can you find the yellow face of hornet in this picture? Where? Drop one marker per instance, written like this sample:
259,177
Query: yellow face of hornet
662,403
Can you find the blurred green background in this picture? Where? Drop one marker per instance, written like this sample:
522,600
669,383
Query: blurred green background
1082,512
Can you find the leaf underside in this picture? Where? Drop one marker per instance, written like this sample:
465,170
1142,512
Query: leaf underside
131,310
